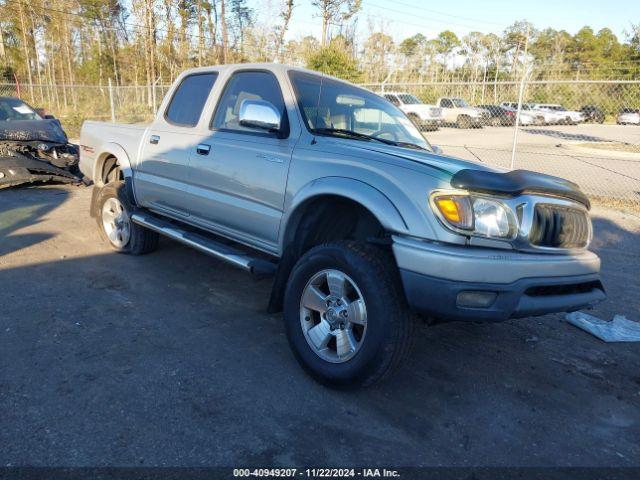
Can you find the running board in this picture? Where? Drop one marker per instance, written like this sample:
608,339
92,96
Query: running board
209,246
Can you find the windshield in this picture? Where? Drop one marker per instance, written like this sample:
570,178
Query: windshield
339,107
12,109
459,103
408,99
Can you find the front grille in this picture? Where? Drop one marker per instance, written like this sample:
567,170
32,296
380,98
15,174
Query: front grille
559,227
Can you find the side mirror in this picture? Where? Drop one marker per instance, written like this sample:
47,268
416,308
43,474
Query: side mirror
436,149
260,114
49,117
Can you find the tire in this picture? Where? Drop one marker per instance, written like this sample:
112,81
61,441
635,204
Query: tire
378,347
113,214
463,121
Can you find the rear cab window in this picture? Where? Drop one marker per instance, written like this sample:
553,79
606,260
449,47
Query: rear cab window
189,99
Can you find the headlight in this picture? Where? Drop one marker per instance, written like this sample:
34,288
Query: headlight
475,215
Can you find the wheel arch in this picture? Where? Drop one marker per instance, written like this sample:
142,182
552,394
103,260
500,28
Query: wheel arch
329,188
373,212
107,152
110,155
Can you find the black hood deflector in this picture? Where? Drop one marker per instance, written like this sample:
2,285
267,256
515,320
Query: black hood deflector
516,183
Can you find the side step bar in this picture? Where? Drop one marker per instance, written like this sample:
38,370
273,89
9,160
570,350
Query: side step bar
206,245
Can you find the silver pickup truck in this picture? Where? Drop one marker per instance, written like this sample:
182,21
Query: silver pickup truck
333,191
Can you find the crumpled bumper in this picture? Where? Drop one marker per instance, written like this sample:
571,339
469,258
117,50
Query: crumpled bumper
21,169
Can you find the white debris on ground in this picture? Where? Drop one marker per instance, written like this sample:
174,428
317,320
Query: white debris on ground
620,329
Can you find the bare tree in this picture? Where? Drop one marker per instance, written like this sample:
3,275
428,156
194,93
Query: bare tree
225,36
335,12
281,30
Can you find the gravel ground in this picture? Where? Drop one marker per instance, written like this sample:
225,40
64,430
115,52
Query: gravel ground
170,360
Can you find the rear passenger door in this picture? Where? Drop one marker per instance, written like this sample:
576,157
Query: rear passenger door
160,177
239,175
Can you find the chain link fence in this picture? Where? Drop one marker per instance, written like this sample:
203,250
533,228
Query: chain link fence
587,131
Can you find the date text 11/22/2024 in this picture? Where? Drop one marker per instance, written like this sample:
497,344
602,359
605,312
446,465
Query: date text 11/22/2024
316,472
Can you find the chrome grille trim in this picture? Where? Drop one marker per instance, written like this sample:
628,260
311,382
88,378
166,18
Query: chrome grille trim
528,237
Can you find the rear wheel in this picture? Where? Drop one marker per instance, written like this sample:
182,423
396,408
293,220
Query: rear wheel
114,211
346,316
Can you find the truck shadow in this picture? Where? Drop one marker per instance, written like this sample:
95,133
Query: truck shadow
23,207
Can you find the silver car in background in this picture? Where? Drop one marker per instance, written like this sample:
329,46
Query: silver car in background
628,116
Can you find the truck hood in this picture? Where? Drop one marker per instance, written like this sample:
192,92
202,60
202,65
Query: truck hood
420,160
32,130
478,177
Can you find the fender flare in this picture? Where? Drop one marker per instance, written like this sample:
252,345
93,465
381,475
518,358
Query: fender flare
366,195
111,149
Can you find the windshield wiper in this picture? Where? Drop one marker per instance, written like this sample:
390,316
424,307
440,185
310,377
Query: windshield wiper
415,146
363,136
350,134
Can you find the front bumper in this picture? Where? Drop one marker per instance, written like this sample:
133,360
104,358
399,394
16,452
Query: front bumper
21,169
432,122
521,284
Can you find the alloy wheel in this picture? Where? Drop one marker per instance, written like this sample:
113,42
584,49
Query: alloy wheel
333,316
116,223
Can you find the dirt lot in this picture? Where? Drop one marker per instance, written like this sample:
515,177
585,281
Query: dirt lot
170,360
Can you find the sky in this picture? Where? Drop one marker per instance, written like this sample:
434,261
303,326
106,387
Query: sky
404,18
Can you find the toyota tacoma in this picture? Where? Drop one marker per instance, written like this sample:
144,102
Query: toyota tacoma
334,192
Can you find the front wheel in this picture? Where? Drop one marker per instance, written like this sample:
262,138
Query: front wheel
346,316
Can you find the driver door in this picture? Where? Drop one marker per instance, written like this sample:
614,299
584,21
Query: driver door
238,175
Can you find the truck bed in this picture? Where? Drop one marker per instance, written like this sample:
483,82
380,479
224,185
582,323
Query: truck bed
94,134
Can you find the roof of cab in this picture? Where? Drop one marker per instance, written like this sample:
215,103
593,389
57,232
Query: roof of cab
274,67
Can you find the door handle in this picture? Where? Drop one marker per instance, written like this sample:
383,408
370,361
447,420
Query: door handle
154,139
203,149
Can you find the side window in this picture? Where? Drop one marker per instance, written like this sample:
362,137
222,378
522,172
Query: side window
247,86
446,103
392,99
189,98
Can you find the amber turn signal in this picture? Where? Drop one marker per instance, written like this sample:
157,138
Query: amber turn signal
455,209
